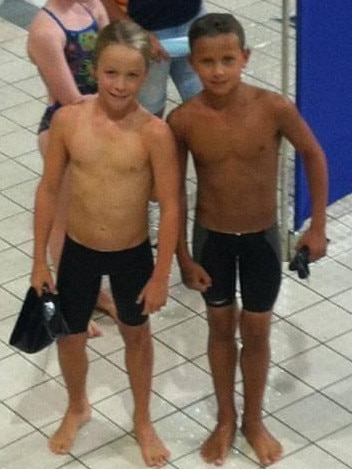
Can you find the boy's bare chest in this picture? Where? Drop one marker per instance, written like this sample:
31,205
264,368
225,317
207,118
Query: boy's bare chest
94,151
245,138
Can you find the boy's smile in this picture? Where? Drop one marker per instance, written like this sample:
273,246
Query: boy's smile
120,73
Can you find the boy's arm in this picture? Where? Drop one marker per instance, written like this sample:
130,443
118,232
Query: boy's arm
297,131
166,183
193,275
55,162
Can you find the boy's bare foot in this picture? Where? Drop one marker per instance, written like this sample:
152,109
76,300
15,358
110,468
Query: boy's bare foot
62,440
106,304
265,446
154,452
93,330
216,448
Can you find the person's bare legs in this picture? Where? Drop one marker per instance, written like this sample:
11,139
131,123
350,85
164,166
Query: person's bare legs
222,354
255,357
74,366
105,302
139,363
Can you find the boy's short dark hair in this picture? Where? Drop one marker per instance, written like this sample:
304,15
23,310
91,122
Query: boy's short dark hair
213,24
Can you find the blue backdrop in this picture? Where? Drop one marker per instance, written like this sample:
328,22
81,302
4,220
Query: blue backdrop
324,92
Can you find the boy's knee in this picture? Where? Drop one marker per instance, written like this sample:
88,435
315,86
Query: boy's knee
255,327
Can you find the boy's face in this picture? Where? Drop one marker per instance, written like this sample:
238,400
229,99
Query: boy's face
120,73
219,62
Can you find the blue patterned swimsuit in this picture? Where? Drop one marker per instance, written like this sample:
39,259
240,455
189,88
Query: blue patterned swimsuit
79,55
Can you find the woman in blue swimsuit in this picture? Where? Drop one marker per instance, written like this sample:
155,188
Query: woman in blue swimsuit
61,42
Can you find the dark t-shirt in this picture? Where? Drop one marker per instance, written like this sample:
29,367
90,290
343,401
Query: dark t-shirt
161,14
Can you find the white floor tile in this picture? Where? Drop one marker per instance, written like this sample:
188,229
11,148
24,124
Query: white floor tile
340,393
13,427
31,452
293,297
164,358
18,376
10,232
342,344
119,408
283,389
309,458
288,341
33,86
16,143
9,96
318,367
26,114
308,395
180,434
183,385
40,405
314,417
170,315
339,445
33,161
123,453
23,194
189,338
18,69
7,126
105,379
13,264
189,298
323,321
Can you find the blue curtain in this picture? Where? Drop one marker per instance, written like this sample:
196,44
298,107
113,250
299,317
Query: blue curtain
324,92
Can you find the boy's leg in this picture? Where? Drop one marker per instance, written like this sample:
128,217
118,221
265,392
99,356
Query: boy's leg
222,353
139,362
255,357
74,366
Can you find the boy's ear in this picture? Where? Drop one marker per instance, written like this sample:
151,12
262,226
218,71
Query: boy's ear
246,55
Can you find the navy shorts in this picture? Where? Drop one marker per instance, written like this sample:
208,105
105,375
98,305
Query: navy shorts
80,274
255,257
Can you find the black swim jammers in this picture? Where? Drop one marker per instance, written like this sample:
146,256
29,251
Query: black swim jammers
79,278
256,258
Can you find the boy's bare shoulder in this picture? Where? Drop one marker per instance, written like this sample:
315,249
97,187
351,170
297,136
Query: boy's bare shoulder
276,101
179,117
154,127
66,116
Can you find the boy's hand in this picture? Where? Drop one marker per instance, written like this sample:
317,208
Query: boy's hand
316,242
154,295
40,276
195,277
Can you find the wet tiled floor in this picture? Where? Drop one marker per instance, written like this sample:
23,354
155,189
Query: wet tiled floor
308,402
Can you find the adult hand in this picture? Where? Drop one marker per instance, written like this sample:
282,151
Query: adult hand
158,52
